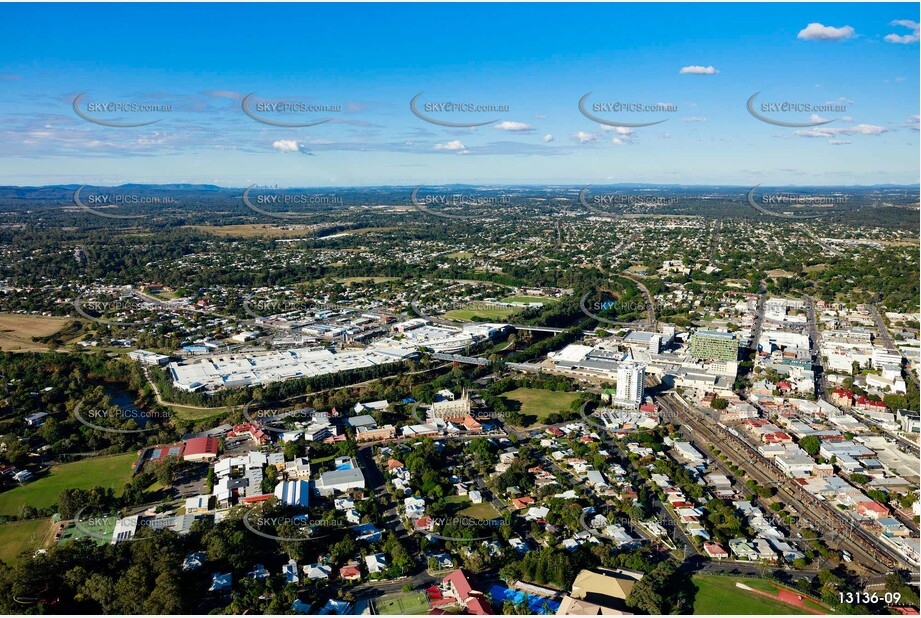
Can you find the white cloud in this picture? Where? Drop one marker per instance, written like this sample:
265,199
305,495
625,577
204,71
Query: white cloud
838,142
914,37
816,118
539,116
452,145
868,129
618,130
285,145
694,119
548,138
813,133
584,137
508,125
697,70
817,32
831,132
625,135
913,122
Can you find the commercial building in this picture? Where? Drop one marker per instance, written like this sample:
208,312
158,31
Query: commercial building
604,587
630,384
345,478
293,493
370,434
260,368
200,449
714,345
148,358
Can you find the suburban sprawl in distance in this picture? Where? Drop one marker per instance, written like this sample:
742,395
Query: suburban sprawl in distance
449,397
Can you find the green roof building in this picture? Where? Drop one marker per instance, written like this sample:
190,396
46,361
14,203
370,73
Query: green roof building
713,345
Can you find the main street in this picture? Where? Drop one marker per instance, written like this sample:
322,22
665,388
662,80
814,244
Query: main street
887,338
759,317
815,350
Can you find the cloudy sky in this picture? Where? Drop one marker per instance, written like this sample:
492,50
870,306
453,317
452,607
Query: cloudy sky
556,93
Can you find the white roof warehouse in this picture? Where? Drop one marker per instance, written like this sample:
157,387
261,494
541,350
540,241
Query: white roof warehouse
239,370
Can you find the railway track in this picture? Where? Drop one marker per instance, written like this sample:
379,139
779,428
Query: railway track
849,535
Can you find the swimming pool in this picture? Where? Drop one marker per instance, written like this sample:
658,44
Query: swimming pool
500,594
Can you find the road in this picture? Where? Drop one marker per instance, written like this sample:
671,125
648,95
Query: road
887,338
714,242
759,318
650,306
663,515
821,382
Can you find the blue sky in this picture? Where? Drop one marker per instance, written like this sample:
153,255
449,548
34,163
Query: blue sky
537,60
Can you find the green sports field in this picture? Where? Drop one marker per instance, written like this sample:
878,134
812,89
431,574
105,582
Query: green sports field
530,299
487,313
101,527
112,471
402,603
17,536
539,403
717,594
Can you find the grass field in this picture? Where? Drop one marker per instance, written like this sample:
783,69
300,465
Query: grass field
402,603
105,527
488,313
195,414
16,331
460,255
529,299
256,230
112,472
17,536
539,403
365,279
483,511
717,594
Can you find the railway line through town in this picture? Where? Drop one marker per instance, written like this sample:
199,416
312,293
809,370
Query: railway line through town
849,535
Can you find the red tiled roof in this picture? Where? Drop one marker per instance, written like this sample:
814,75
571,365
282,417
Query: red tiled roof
253,499
349,571
714,549
864,401
459,580
520,503
471,423
874,506
196,446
